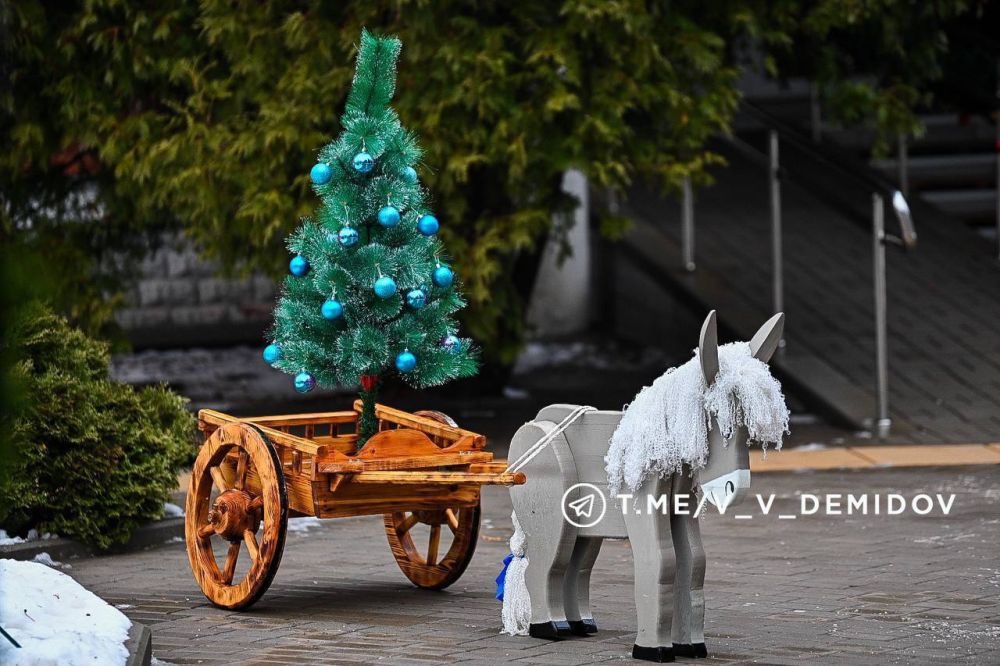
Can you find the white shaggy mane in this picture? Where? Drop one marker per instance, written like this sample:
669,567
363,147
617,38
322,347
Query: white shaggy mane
666,425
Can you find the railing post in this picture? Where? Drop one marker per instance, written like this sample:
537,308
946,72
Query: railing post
882,421
996,147
687,229
903,165
815,119
778,264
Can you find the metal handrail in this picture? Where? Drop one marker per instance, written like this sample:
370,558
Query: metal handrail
881,190
844,164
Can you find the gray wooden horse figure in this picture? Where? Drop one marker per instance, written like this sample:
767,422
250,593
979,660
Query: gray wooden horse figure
666,543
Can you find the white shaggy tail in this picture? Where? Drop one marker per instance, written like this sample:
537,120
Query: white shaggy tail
516,612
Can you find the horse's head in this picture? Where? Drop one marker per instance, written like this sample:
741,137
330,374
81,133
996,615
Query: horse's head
725,478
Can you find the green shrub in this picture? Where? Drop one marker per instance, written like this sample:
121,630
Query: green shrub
93,459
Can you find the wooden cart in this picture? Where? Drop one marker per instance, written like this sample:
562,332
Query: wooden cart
421,471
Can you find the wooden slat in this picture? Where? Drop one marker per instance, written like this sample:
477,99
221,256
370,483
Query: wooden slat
492,467
210,417
353,499
444,478
410,462
317,418
423,424
342,443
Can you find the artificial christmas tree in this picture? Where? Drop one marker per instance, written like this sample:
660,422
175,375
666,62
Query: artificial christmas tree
371,291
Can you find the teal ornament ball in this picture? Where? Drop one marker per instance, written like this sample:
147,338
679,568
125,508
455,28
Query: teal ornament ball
406,361
304,382
451,343
416,298
443,276
363,162
332,309
428,225
298,266
321,174
272,353
348,236
388,216
409,174
385,287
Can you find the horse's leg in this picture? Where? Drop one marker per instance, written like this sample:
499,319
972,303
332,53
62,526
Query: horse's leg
550,539
688,634
653,554
576,586
544,577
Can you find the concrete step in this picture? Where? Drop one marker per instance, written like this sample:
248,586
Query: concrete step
942,169
969,204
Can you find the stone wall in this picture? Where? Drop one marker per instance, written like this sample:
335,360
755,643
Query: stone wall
179,301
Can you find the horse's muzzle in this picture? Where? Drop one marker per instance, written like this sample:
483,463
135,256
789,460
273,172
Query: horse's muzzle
728,489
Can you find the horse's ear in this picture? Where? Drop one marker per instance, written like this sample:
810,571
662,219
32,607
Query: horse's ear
708,349
765,341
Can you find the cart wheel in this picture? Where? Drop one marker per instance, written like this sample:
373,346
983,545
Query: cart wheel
237,493
423,567
426,570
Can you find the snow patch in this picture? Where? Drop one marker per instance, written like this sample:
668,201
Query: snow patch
303,524
7,540
46,559
172,511
56,620
811,446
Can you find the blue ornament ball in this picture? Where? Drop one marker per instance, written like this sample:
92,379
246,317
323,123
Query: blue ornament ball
428,225
272,353
363,162
409,174
332,309
451,343
304,382
299,265
348,236
443,276
406,361
385,287
416,298
388,216
321,173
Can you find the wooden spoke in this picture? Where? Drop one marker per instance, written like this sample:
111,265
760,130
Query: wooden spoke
432,547
219,478
237,459
231,557
241,470
408,523
452,519
251,541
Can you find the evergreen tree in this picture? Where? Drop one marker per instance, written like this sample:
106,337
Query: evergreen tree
370,290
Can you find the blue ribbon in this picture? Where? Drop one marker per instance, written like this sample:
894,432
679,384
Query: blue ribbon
502,578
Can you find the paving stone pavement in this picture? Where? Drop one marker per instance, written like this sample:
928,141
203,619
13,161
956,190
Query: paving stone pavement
824,589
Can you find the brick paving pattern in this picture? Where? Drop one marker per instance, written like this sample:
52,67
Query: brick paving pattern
944,297
841,590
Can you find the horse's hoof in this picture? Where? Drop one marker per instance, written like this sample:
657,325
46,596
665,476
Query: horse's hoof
550,630
583,627
683,650
696,650
658,654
